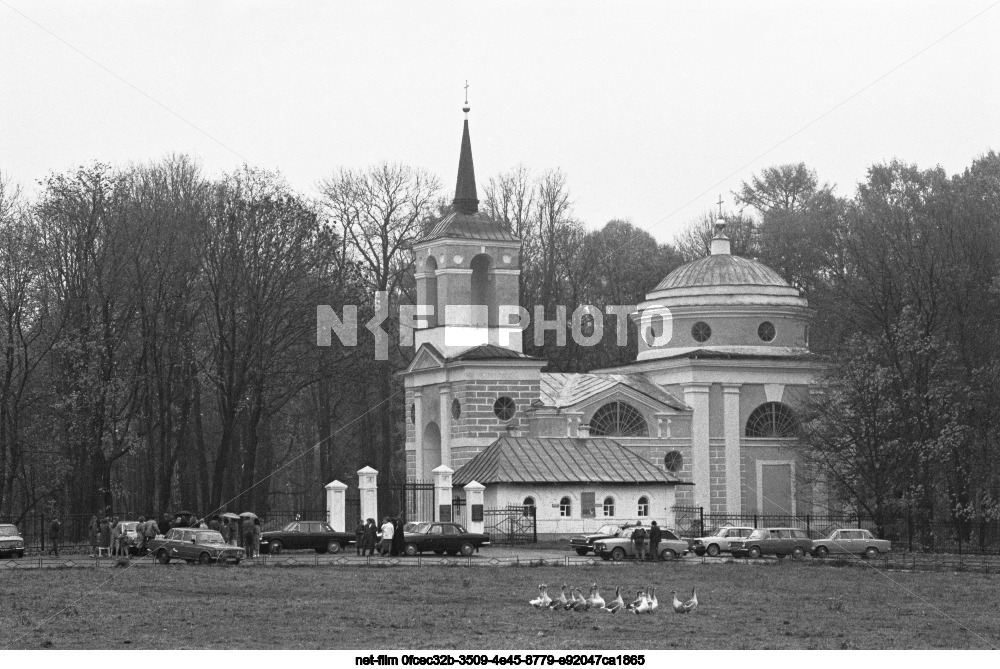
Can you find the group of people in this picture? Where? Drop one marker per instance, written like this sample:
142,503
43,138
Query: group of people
112,533
639,537
388,538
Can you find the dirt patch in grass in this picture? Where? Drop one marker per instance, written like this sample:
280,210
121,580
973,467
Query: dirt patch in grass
789,605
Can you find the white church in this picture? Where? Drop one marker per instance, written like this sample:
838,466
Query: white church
704,417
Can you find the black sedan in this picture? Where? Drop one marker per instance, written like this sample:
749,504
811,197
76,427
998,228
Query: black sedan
300,534
450,538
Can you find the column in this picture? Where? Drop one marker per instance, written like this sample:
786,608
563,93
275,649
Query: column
445,422
418,433
336,507
731,429
368,489
442,493
474,503
696,397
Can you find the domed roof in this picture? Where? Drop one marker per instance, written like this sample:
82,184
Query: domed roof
722,270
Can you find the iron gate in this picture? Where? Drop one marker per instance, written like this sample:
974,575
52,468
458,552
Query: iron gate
411,501
511,524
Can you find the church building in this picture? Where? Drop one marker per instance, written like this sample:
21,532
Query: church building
704,417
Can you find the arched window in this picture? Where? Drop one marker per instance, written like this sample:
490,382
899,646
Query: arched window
643,510
430,294
618,419
673,461
456,409
482,288
529,507
565,507
771,420
609,506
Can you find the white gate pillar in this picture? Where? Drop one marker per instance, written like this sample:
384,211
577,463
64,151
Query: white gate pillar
368,489
442,493
474,503
336,507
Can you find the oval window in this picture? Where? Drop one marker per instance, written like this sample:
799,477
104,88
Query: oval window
456,409
766,331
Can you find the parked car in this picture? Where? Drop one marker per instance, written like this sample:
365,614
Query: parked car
850,542
718,541
11,542
450,538
305,534
584,543
619,547
780,541
192,544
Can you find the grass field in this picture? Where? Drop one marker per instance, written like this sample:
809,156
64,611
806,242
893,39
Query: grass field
774,606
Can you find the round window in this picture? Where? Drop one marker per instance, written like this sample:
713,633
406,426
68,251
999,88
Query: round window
766,331
504,408
673,461
456,409
701,331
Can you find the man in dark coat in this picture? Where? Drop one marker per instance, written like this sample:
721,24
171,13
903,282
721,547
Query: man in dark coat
654,541
54,530
397,536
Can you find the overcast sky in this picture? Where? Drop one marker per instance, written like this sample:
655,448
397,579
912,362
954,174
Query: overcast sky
650,109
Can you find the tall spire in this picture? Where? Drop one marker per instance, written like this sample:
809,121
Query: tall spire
466,200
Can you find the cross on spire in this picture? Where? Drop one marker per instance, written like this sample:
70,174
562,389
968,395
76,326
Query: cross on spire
466,91
720,205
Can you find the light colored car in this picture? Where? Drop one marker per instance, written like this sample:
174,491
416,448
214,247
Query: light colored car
779,541
620,547
584,543
11,542
851,542
718,541
194,545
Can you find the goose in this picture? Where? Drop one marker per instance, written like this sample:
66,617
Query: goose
560,601
688,606
691,604
617,604
639,596
596,600
653,604
571,602
643,606
538,602
580,603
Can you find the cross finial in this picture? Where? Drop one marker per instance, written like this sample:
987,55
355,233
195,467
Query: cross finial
466,91
720,205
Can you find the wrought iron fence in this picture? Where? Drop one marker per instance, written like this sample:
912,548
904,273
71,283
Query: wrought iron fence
412,501
511,524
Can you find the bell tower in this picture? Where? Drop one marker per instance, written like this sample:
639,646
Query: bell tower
468,270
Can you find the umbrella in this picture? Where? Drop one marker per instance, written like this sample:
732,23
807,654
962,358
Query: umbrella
230,515
248,514
184,513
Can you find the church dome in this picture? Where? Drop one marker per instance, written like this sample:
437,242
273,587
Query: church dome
722,270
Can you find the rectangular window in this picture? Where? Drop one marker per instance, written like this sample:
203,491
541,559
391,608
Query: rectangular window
587,505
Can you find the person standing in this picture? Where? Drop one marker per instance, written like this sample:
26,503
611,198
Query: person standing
248,537
654,541
397,536
113,535
140,537
387,532
256,537
121,538
359,537
368,540
55,528
94,530
105,538
214,524
164,524
639,540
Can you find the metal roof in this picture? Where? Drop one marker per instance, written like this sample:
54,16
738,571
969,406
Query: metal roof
478,226
559,460
563,390
491,352
722,270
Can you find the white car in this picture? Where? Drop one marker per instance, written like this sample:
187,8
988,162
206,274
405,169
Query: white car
11,542
718,541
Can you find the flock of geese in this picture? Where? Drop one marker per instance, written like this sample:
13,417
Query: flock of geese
644,602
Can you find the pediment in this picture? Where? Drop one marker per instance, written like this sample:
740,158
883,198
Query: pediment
427,357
